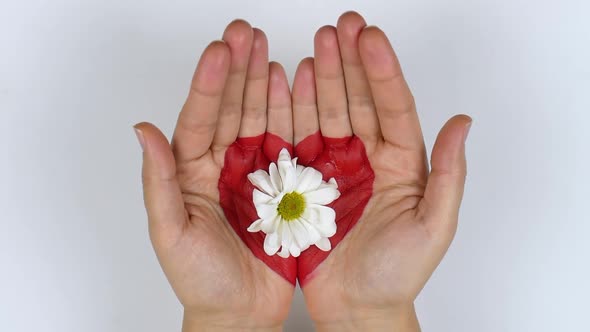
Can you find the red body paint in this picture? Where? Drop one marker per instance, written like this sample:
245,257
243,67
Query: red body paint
243,157
344,159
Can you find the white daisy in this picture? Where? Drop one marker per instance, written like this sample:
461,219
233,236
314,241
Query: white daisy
290,201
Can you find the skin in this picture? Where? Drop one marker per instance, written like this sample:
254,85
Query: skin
235,92
353,86
371,279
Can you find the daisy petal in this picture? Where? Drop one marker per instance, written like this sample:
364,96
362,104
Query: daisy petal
270,225
295,250
266,211
331,184
262,181
309,180
300,235
286,236
271,244
258,197
324,244
322,218
275,177
288,172
284,155
323,196
299,169
255,226
284,253
312,233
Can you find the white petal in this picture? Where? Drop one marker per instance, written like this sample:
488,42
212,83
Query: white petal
271,244
260,198
312,233
270,225
294,162
266,211
309,180
286,236
284,155
331,183
276,200
255,226
323,195
299,234
290,182
284,252
288,174
299,169
324,244
275,177
262,181
295,250
322,218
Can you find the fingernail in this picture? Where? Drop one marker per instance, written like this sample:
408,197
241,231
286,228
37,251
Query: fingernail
139,135
467,128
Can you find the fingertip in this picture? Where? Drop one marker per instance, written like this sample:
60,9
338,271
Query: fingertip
326,37
463,119
158,158
304,82
139,135
373,43
162,194
278,77
278,90
448,153
446,182
305,113
238,32
349,26
258,63
260,41
149,132
218,48
458,125
306,65
215,60
279,112
239,35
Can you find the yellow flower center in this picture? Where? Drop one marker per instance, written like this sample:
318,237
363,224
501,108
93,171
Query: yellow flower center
291,206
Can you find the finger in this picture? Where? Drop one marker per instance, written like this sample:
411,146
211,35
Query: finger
255,93
444,189
306,125
361,108
331,91
280,117
238,36
162,194
305,111
198,119
394,101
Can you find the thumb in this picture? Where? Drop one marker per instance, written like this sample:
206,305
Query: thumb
161,192
444,189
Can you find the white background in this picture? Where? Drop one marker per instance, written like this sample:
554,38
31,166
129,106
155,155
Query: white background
75,76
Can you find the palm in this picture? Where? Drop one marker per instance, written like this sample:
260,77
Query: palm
235,94
389,248
409,221
208,251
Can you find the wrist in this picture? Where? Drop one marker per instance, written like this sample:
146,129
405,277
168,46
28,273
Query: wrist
214,323
400,319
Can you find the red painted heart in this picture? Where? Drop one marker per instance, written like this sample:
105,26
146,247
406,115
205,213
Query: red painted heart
344,159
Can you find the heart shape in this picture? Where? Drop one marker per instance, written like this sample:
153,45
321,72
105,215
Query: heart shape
344,159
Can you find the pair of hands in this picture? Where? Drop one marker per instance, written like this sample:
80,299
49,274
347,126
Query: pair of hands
352,86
